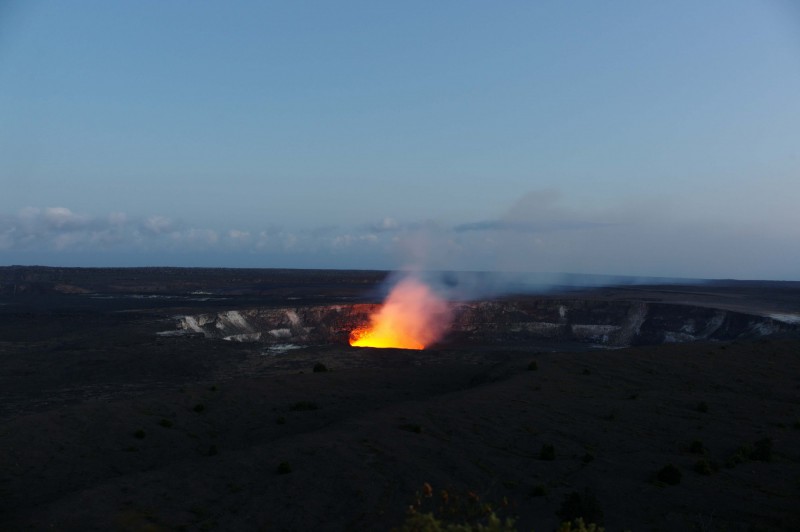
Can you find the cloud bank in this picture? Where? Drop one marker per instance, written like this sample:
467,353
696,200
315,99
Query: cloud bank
538,233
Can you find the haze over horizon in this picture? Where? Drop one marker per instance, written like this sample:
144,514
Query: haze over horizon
644,139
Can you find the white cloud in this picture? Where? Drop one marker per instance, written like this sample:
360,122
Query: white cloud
158,225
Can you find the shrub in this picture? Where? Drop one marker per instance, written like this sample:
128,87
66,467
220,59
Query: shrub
284,468
533,366
281,420
199,407
578,525
702,406
139,434
669,474
704,467
584,506
762,450
166,423
427,522
412,427
319,367
300,406
212,450
548,452
443,511
697,447
539,491
588,457
741,456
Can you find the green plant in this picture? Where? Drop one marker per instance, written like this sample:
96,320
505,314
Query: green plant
588,457
539,491
300,406
212,450
704,467
319,367
199,407
454,512
697,447
578,525
412,427
741,456
669,474
533,366
427,522
702,407
548,452
139,434
584,506
281,420
166,423
284,468
762,450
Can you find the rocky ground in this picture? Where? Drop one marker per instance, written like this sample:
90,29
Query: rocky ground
104,425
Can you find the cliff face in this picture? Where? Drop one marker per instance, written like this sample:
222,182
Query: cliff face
608,323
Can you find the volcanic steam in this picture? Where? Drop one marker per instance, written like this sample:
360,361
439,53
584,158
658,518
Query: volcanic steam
412,317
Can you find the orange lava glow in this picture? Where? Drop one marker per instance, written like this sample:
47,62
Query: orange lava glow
412,317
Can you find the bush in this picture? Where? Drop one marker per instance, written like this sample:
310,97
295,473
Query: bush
762,450
697,447
199,407
284,468
584,506
578,525
539,491
533,366
548,452
139,434
300,406
426,522
669,474
166,423
443,510
319,367
704,467
702,406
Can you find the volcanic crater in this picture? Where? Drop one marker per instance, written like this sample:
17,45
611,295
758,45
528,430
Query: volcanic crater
198,399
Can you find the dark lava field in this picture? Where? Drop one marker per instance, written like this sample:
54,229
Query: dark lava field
229,399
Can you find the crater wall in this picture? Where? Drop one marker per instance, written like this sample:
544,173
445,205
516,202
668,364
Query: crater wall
605,323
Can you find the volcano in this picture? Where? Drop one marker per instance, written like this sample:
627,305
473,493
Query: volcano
165,398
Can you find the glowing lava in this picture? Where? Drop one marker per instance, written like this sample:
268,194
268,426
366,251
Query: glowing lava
412,317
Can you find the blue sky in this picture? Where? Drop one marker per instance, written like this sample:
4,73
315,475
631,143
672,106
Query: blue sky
639,138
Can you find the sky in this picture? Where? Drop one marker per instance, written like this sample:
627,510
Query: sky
621,138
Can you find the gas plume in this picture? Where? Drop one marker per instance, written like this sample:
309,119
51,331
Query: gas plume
413,316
